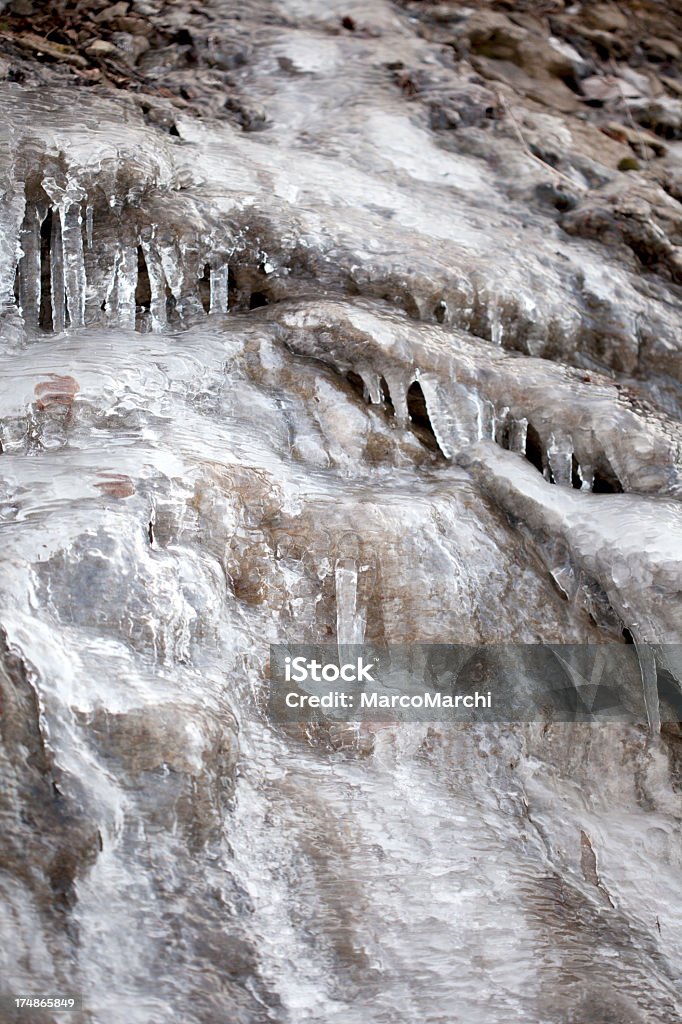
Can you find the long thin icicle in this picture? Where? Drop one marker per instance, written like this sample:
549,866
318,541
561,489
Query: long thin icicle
219,289
73,261
647,666
157,287
57,275
29,265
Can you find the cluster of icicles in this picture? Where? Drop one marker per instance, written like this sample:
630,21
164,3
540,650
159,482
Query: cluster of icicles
451,396
51,286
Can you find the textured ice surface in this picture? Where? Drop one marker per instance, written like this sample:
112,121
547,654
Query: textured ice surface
328,381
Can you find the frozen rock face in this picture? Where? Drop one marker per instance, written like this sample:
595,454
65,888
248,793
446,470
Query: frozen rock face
336,322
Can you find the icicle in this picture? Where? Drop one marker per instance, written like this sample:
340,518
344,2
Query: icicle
586,473
219,289
495,322
66,254
73,261
29,265
126,284
647,667
398,384
464,417
88,225
157,287
438,415
57,275
350,625
485,411
518,433
560,460
172,268
372,384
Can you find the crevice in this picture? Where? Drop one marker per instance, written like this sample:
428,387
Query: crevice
45,316
534,448
576,478
605,480
143,291
232,289
386,396
357,384
419,417
439,312
205,288
258,299
171,304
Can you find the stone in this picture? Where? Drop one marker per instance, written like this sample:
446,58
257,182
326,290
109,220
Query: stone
634,136
102,48
118,10
132,46
661,49
606,17
663,115
581,67
525,60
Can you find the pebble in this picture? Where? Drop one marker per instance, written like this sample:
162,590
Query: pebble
102,48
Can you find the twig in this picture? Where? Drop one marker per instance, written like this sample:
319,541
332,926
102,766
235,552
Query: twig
528,150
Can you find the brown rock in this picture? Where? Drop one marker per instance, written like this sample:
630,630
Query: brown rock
642,216
636,138
118,10
132,46
102,48
523,59
661,49
606,17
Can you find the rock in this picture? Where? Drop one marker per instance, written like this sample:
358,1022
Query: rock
581,67
661,49
644,85
612,44
136,26
24,8
603,89
523,59
606,17
635,138
132,46
102,48
252,118
643,216
663,115
229,59
673,85
118,10
628,163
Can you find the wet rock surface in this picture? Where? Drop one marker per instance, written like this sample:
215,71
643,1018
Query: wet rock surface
336,322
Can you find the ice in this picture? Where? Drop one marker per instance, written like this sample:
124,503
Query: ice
410,428
219,294
350,625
